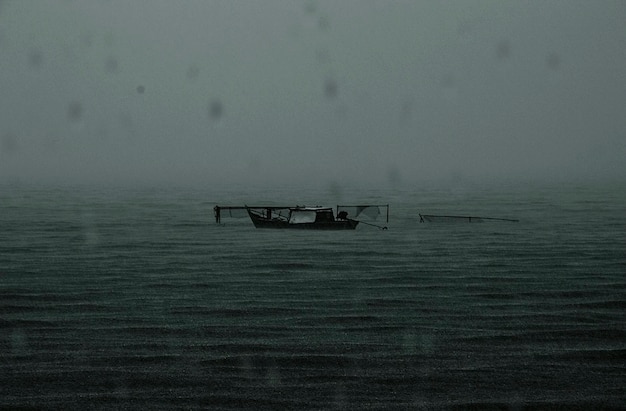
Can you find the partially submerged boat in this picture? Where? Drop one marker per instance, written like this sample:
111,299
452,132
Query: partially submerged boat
430,218
318,218
303,217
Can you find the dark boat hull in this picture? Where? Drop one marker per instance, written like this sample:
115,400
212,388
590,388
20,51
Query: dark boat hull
261,222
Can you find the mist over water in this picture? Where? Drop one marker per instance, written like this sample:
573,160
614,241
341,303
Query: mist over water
122,123
303,92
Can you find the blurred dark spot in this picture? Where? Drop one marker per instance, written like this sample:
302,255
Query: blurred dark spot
8,143
394,177
126,121
141,89
323,23
74,111
503,50
109,39
310,7
448,81
35,58
335,190
406,111
449,88
255,165
323,56
553,61
341,112
102,131
193,72
464,28
51,143
87,39
330,88
111,65
215,109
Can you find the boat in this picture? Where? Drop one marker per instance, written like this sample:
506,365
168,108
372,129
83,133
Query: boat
303,217
311,218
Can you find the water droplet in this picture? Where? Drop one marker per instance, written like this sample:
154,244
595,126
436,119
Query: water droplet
330,88
449,88
126,121
8,143
215,109
141,89
323,23
394,176
35,59
74,111
323,56
406,110
465,28
193,72
448,81
87,39
553,61
335,189
310,7
111,65
503,50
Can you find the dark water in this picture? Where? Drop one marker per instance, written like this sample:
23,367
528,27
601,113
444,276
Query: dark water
126,299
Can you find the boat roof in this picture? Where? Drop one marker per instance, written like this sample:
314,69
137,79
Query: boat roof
316,208
297,207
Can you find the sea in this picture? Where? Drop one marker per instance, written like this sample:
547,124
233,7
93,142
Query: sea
132,298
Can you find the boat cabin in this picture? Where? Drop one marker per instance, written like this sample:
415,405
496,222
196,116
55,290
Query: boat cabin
301,215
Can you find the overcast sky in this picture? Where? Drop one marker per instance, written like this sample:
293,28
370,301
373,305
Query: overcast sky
303,91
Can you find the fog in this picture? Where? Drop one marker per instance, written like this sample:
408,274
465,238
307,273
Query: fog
273,92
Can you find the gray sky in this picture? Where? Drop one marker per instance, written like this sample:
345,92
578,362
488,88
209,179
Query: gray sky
350,91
